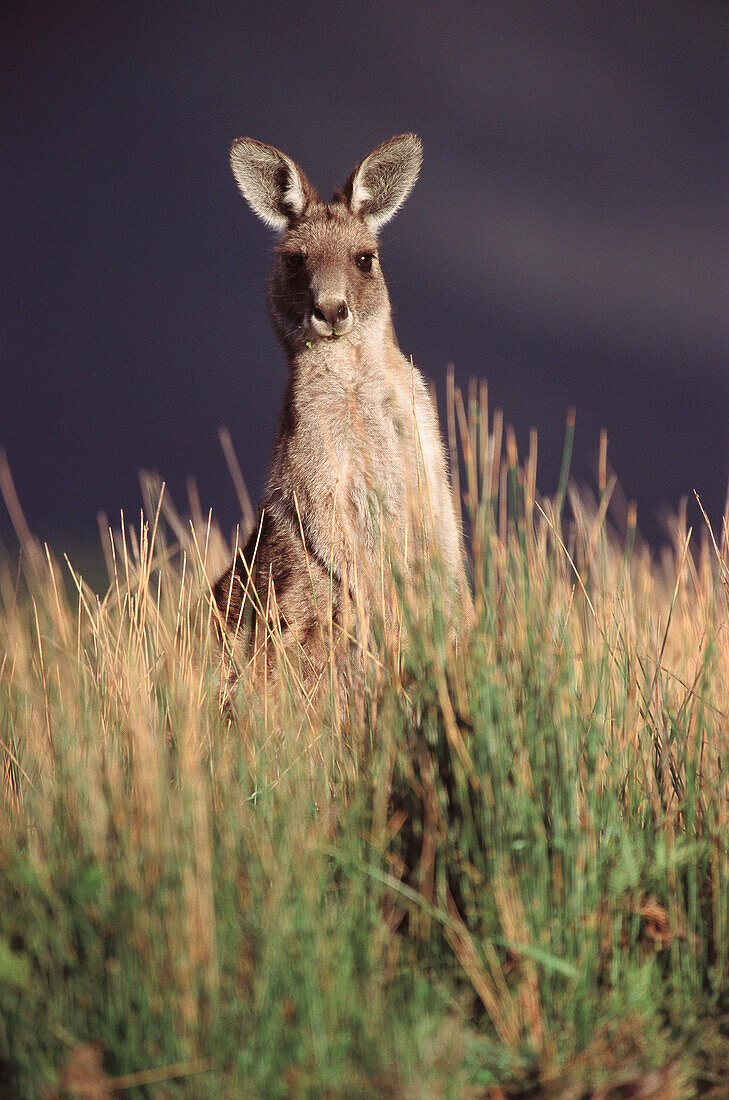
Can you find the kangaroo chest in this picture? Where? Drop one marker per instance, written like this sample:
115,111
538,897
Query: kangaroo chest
348,453
357,437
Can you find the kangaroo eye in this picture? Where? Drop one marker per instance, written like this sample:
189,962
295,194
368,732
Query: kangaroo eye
294,261
364,260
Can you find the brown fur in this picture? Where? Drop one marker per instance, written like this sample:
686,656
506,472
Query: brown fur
358,462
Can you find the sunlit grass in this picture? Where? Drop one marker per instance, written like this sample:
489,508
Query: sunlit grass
497,864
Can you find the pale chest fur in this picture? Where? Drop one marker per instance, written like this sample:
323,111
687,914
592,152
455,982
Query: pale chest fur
359,436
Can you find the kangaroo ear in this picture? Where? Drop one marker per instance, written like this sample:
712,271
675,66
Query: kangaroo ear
275,188
380,184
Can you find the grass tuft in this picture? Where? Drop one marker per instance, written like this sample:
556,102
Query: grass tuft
491,865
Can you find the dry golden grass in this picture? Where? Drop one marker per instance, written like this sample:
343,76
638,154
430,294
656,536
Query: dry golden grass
502,843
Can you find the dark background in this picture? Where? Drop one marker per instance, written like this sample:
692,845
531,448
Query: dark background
567,239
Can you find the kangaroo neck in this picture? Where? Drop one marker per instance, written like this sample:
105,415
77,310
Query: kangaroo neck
348,360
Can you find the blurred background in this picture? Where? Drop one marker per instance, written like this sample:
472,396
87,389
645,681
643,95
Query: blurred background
566,241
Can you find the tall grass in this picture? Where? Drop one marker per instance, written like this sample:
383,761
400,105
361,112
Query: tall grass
498,866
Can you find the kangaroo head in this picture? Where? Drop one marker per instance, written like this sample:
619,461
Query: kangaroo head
326,282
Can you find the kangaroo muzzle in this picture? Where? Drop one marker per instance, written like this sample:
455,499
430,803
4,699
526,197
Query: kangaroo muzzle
330,317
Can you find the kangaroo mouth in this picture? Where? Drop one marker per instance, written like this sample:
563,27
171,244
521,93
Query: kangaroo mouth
311,337
325,337
324,329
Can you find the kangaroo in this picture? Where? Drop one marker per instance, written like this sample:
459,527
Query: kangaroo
359,454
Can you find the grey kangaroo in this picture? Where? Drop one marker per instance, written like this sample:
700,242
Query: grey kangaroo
358,462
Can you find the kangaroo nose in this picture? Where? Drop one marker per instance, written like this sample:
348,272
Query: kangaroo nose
331,311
